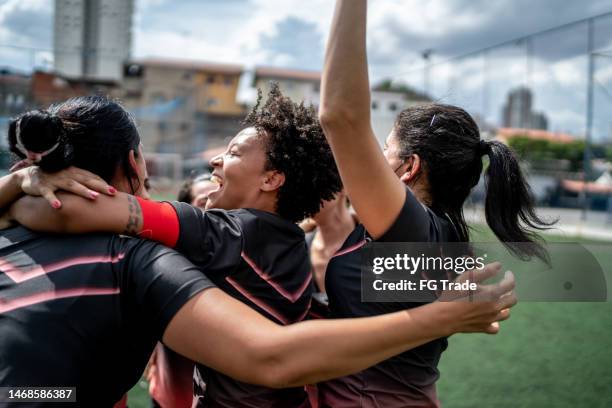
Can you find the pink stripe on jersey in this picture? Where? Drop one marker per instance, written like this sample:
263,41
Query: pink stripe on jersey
350,249
8,305
292,297
303,316
257,301
19,275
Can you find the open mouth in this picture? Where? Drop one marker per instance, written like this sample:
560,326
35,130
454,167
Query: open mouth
218,181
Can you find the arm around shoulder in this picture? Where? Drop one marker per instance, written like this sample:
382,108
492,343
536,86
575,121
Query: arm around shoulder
78,215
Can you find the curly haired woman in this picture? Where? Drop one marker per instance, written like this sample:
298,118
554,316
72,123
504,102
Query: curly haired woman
274,173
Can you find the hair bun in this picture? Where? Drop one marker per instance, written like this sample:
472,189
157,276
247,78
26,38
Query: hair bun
40,137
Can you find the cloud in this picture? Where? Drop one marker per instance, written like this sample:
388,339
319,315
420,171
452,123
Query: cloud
24,23
292,33
295,43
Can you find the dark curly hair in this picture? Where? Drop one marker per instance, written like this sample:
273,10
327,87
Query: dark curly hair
295,146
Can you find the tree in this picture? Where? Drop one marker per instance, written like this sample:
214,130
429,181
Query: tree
536,151
387,85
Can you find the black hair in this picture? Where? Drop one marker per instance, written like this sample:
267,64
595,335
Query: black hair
447,140
91,132
184,194
296,147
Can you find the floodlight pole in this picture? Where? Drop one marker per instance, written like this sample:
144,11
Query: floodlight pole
586,159
426,54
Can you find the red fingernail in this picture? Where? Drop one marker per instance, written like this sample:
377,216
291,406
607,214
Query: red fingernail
112,190
56,204
93,194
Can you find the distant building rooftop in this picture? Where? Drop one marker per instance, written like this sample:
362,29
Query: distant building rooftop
505,134
230,69
287,73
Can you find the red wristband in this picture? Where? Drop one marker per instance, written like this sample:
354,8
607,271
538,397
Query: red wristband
159,222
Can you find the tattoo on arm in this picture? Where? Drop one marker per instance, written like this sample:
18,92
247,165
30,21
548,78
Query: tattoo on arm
134,223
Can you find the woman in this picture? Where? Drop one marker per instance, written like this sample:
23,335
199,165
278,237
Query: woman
218,240
256,254
195,190
325,234
414,191
170,375
210,327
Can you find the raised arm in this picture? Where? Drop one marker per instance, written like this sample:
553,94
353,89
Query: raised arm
223,333
375,191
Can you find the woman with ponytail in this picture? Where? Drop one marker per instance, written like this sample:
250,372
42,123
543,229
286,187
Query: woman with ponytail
88,310
447,142
413,191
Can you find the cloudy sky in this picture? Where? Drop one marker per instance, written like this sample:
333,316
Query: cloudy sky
292,33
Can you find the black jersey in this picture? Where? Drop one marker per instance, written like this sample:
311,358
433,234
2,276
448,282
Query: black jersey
86,311
409,378
261,259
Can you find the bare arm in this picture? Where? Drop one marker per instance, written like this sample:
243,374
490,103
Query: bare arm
32,181
120,214
223,333
10,190
345,118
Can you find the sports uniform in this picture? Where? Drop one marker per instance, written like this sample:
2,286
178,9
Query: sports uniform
256,257
409,378
86,311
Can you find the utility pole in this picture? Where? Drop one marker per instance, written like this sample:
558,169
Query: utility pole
586,166
426,54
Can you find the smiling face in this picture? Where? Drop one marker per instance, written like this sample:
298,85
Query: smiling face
240,174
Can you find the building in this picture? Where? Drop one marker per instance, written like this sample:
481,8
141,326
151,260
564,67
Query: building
15,97
92,38
518,112
14,92
48,88
386,105
296,84
388,99
505,134
183,106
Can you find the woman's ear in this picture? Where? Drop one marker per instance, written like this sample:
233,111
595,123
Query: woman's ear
412,170
273,180
138,168
133,162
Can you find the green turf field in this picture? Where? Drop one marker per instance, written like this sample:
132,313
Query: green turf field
547,355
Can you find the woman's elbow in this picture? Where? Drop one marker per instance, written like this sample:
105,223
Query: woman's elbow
272,366
276,377
284,376
332,118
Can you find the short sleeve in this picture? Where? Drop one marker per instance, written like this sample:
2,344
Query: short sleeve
212,239
156,282
413,223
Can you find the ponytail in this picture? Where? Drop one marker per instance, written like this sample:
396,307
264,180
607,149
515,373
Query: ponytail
509,204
